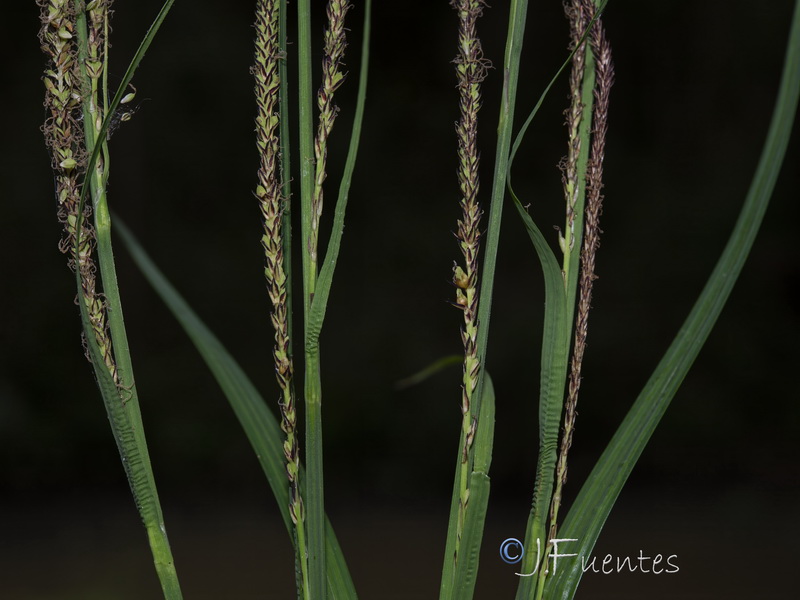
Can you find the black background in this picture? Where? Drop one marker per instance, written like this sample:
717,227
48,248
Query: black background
717,485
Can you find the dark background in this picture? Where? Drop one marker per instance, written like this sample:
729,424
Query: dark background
718,484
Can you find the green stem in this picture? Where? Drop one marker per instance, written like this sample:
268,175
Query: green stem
306,143
285,164
574,238
516,30
314,493
314,490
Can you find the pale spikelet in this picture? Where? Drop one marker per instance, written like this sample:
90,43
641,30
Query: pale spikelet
65,140
62,132
578,21
471,70
97,13
268,193
332,78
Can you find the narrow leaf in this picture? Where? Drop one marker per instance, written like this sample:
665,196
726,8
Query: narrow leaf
475,517
518,13
553,372
259,424
455,583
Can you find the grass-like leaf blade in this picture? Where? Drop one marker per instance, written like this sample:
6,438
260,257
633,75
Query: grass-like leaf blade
259,424
553,371
475,516
460,581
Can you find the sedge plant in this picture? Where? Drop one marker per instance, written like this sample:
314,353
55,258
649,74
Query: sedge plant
81,113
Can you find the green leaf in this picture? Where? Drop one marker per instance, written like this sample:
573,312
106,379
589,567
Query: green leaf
259,424
475,516
484,437
598,495
518,13
553,372
285,166
458,580
467,568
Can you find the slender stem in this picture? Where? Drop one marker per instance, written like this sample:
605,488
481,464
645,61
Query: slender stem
315,506
513,51
285,162
574,165
314,483
312,202
306,144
